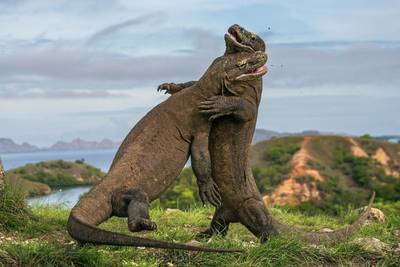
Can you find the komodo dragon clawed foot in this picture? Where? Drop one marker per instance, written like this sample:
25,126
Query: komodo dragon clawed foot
219,224
134,204
169,88
254,215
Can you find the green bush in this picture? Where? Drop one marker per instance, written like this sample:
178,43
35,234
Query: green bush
184,192
267,178
305,179
58,179
13,208
281,154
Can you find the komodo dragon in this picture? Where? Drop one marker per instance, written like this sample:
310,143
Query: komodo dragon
151,157
230,139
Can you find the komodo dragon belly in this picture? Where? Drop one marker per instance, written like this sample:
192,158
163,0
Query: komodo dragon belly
229,142
152,158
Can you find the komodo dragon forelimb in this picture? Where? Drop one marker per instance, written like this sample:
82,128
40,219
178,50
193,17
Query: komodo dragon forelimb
172,88
201,165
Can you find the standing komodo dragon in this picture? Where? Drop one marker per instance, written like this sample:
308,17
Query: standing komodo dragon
151,157
230,139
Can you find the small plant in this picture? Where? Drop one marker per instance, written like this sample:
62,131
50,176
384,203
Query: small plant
80,161
281,154
305,179
366,137
13,208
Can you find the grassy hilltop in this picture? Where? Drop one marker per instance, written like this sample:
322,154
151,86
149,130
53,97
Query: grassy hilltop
42,177
326,171
309,182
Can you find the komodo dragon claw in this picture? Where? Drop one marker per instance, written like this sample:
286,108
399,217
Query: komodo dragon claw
215,107
168,88
209,191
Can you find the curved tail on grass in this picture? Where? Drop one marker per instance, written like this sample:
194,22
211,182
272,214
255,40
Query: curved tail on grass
334,236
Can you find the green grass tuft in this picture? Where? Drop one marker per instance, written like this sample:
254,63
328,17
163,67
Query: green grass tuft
13,208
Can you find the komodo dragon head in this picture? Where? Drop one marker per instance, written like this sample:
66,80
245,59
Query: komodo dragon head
232,71
238,39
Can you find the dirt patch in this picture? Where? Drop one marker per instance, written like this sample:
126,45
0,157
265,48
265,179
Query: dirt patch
383,158
292,191
356,150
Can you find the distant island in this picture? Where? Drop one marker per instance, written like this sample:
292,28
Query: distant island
43,177
7,145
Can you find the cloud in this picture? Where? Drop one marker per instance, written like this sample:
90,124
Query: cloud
110,30
371,65
83,65
48,93
346,64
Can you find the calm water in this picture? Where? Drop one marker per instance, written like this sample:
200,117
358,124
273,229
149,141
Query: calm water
99,158
65,197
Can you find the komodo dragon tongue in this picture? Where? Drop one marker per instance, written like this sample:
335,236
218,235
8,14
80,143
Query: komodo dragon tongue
91,234
334,236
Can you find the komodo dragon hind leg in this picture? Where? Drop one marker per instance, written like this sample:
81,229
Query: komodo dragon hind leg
134,204
219,224
253,214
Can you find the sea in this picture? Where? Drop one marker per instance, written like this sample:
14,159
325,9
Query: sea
66,197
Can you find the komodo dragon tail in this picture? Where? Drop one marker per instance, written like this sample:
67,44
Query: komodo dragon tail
82,227
334,236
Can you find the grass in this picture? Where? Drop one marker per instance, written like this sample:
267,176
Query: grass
43,241
13,209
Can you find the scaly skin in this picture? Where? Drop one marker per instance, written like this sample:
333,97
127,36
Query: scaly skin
230,139
152,156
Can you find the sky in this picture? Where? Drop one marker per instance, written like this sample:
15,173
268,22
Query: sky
90,69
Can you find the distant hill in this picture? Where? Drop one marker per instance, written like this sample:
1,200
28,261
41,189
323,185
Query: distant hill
42,177
322,170
79,144
263,135
9,146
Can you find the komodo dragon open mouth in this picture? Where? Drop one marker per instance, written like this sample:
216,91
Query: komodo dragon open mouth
234,35
252,74
255,67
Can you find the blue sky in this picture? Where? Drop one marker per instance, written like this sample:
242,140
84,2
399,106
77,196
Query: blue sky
90,69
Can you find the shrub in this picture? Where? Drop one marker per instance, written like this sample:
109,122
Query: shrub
281,154
183,194
269,177
13,208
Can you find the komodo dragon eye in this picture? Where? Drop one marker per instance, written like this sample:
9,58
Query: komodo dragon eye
241,64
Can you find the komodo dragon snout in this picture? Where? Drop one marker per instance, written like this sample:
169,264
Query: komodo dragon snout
239,39
249,68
